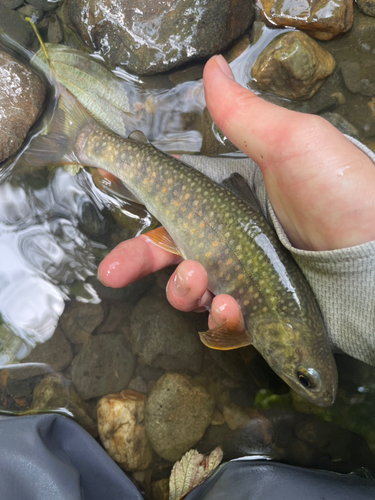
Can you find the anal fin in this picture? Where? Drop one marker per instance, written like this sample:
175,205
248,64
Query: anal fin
225,337
162,239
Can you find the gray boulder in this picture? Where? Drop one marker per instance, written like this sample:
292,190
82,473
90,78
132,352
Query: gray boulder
149,36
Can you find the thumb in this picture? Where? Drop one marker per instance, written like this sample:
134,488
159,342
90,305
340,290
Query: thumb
321,186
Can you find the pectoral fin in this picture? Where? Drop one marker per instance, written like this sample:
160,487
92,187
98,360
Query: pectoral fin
162,239
225,337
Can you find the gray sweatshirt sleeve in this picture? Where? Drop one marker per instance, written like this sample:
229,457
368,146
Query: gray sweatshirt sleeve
343,280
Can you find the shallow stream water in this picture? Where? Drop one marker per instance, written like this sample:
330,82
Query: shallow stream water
56,227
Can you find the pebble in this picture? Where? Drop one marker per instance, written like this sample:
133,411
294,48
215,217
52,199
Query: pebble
177,415
164,337
122,430
105,365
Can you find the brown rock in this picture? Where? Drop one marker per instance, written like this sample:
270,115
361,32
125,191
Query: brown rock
160,489
293,66
214,141
322,19
55,392
22,96
122,431
367,6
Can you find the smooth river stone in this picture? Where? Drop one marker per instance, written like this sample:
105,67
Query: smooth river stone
178,411
322,19
293,66
22,95
149,36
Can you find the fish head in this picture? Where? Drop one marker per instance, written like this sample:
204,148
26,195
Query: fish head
301,355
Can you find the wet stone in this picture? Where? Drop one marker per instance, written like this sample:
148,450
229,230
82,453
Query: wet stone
322,19
55,392
11,4
122,431
22,96
160,489
341,124
14,26
359,77
117,319
56,352
80,319
177,414
367,6
214,141
138,384
105,365
30,11
293,66
149,36
164,337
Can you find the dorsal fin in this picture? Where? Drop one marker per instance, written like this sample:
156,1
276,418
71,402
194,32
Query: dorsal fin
138,136
237,185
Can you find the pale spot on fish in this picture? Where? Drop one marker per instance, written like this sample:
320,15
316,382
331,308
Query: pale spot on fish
187,196
227,277
229,262
246,302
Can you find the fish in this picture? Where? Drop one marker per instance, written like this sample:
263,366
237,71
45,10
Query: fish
207,222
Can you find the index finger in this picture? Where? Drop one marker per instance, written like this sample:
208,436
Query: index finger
132,260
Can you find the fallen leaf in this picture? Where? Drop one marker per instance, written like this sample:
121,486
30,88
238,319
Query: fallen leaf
191,471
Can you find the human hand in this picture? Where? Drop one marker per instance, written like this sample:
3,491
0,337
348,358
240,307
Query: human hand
321,187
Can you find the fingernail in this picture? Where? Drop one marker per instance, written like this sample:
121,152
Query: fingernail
180,286
224,66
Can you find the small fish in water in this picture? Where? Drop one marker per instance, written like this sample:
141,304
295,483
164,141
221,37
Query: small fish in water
229,237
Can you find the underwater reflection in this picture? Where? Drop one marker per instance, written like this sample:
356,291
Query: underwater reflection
51,237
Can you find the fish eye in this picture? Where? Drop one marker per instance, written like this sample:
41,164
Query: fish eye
308,377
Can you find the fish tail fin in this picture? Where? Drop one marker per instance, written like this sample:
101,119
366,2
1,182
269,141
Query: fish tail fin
63,120
56,142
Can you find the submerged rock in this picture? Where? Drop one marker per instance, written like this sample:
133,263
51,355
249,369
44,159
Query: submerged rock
293,66
22,95
341,124
164,337
214,141
80,319
367,6
359,77
15,27
55,392
56,353
122,430
149,36
322,19
177,414
104,365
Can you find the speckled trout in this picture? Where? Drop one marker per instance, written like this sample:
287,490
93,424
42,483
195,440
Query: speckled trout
208,223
